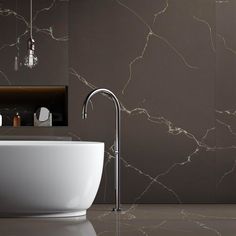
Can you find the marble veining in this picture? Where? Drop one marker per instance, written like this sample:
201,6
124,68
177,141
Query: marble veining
21,33
201,144
171,64
150,34
148,220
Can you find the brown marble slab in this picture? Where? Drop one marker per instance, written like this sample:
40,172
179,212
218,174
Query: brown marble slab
148,220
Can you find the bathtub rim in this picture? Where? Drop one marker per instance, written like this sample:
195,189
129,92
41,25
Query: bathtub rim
46,142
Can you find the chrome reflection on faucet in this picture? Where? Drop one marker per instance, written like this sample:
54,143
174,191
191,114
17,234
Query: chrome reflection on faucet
117,139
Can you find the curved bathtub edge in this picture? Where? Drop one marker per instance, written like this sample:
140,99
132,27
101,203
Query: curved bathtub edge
81,214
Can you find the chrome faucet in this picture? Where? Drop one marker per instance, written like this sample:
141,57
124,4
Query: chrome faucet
117,140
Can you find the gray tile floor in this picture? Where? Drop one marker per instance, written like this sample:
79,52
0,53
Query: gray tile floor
147,220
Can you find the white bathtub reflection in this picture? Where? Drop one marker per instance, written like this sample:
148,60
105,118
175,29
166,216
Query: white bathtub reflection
43,227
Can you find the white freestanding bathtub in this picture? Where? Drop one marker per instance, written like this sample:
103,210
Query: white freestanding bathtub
49,178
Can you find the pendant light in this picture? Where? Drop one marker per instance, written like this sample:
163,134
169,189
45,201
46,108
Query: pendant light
31,60
17,56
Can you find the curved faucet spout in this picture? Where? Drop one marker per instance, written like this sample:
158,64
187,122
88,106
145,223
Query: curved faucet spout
117,139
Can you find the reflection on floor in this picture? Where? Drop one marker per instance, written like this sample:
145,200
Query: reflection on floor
165,220
134,220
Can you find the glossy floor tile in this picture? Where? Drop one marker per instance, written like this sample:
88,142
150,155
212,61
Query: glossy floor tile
134,220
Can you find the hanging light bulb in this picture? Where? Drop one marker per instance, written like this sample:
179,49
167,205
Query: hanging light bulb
16,60
30,59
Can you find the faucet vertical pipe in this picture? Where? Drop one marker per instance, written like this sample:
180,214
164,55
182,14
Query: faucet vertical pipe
117,138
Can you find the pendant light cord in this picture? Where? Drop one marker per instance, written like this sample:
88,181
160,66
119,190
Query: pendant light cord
31,17
16,33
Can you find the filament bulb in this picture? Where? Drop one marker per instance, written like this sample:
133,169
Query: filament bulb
31,60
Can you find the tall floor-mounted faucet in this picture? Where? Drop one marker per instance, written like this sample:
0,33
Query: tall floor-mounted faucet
117,140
